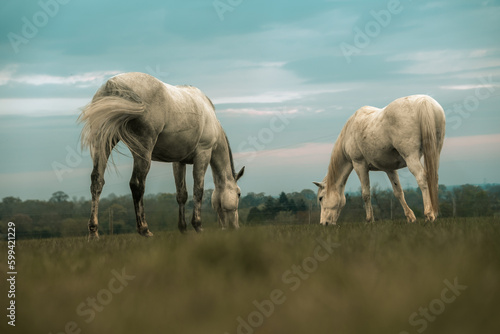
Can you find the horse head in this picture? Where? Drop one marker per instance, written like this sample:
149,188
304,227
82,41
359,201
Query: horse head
331,203
225,201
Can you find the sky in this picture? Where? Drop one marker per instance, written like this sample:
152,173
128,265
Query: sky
284,77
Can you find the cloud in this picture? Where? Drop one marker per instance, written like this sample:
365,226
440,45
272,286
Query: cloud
8,76
445,61
7,73
476,148
270,97
274,97
302,155
328,69
480,147
257,112
466,87
42,106
86,79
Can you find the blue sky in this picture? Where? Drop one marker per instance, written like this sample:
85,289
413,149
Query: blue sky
284,76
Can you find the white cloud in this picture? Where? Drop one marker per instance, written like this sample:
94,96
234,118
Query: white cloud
446,61
303,155
257,112
479,147
466,87
8,75
476,148
86,79
273,97
270,97
42,106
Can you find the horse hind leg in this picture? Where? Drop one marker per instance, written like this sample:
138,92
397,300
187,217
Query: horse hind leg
182,195
138,186
398,192
416,168
97,183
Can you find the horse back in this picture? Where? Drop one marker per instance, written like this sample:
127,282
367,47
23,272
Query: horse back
179,119
402,117
190,124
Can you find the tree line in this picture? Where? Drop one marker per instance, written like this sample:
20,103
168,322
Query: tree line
62,216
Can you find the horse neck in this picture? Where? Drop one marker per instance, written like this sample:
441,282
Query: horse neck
221,162
339,169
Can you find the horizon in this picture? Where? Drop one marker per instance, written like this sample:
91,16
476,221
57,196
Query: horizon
357,192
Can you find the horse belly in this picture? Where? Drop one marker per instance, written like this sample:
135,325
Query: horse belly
386,159
178,141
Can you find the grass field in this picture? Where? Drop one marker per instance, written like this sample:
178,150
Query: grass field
387,277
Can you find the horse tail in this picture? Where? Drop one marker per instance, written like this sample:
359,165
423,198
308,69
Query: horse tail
432,135
106,120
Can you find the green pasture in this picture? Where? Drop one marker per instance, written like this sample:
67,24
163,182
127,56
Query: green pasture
386,277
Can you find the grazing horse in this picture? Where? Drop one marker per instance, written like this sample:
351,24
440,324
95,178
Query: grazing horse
160,122
386,139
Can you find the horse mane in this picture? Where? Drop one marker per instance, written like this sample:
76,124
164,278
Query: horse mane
230,154
338,158
212,104
227,142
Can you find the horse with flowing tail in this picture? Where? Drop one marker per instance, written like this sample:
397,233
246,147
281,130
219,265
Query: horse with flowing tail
387,139
160,122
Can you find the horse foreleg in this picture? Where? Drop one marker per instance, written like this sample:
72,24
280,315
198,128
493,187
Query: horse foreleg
200,166
362,171
138,186
182,195
398,192
416,168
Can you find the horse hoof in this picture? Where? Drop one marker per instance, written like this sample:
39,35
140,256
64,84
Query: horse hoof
411,218
430,218
198,229
146,233
93,236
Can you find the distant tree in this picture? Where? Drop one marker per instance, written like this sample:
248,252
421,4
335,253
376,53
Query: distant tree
471,201
283,202
9,205
252,199
255,215
59,197
309,194
61,217
301,205
271,208
207,198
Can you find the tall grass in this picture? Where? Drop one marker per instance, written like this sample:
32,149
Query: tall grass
375,278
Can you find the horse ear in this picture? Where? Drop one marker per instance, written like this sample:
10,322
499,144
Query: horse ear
320,185
240,173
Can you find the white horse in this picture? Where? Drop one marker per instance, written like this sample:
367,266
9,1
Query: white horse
165,123
386,140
